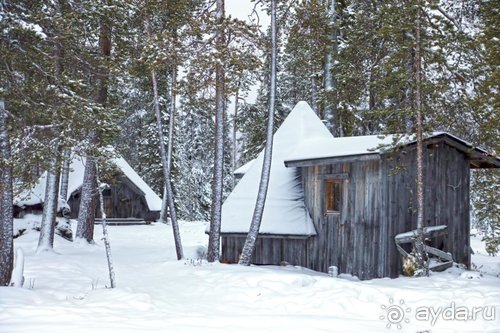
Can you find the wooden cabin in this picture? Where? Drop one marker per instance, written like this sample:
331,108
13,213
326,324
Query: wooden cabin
128,196
359,193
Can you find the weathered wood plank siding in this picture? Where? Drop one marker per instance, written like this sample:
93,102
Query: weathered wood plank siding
125,200
379,201
349,239
268,250
446,173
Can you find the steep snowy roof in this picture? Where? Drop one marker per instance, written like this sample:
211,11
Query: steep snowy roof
322,148
77,168
285,212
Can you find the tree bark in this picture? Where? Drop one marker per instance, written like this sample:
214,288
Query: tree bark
218,171
171,126
48,225
6,201
249,247
88,202
419,243
65,175
235,130
330,105
107,244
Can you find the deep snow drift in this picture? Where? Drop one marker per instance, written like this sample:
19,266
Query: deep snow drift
65,292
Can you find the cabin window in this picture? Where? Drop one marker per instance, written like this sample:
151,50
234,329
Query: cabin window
333,195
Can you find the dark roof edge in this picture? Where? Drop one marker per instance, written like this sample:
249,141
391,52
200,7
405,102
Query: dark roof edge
479,157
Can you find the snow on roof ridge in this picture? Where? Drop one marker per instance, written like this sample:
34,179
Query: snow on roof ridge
285,212
36,195
355,145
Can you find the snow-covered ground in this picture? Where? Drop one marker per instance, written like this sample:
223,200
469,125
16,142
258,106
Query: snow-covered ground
66,292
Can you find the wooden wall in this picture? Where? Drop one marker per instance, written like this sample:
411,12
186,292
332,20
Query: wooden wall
447,178
379,201
349,239
268,250
125,200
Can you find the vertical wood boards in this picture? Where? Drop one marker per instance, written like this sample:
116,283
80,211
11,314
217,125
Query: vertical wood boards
379,201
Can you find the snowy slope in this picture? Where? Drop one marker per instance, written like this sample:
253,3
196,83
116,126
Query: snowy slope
285,212
77,168
156,293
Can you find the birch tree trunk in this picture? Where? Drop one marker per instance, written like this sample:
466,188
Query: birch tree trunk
48,225
330,105
249,247
164,205
6,201
218,171
107,244
171,123
419,243
166,172
164,160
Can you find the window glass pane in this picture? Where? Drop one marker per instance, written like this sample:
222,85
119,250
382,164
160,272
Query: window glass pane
333,195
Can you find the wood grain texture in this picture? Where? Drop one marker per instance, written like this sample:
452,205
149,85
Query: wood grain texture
379,201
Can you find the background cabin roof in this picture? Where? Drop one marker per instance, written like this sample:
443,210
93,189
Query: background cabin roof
325,150
285,212
244,168
36,195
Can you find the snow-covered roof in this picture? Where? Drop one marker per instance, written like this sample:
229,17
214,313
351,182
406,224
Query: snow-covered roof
285,212
321,148
244,168
77,168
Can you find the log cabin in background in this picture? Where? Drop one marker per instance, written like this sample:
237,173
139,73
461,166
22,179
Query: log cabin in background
341,201
128,197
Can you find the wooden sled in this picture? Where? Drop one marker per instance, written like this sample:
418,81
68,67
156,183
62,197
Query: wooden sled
439,260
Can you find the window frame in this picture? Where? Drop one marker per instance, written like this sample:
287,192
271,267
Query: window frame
326,196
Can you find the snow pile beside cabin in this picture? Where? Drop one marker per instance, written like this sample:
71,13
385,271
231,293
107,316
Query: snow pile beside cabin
77,168
285,212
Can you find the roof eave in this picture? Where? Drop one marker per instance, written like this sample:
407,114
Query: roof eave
266,235
336,159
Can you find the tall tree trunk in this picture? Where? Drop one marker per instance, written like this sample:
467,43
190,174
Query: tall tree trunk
331,103
48,225
107,244
166,171
171,126
63,194
164,160
218,171
249,247
6,201
89,199
164,205
419,243
51,200
235,130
